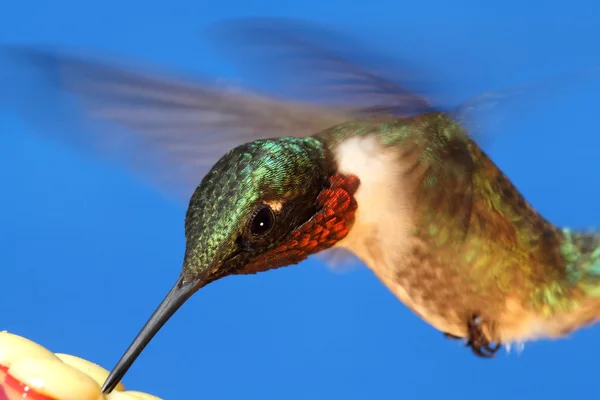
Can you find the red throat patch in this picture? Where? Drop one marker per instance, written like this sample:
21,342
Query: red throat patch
328,226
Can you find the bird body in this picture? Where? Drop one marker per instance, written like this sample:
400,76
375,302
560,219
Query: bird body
446,231
432,217
403,186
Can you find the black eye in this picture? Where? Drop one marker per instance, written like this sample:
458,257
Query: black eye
262,221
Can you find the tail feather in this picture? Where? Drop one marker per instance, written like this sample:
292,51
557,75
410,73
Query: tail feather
581,252
582,256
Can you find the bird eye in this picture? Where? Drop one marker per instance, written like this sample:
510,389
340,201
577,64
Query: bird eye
262,221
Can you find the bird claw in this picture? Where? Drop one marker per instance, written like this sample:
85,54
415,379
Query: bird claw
479,344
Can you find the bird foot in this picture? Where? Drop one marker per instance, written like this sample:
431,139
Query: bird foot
476,340
478,343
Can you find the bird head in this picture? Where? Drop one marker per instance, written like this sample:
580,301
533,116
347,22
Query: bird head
264,205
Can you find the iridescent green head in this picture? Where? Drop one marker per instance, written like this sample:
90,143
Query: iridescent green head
251,200
263,205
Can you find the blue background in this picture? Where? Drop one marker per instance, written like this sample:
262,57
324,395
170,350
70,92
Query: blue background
87,250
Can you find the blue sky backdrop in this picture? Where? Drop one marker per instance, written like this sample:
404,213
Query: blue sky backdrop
87,250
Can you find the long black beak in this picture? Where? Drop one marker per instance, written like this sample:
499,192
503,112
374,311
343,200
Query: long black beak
172,302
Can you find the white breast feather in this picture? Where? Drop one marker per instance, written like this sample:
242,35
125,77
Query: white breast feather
380,236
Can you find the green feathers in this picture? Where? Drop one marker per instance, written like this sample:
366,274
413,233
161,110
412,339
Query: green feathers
280,170
581,252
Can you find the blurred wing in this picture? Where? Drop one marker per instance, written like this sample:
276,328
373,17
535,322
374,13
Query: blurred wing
173,129
318,65
488,114
170,130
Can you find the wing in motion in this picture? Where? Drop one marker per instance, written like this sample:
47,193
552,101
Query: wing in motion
172,129
168,128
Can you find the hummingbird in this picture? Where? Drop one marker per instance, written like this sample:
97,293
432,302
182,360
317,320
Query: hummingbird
396,181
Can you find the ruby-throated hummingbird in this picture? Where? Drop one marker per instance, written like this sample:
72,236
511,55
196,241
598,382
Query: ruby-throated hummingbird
397,182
